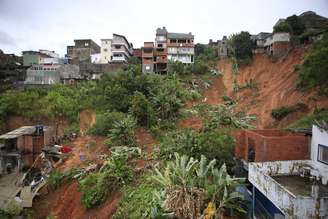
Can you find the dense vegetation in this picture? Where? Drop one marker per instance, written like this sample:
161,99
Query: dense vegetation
314,70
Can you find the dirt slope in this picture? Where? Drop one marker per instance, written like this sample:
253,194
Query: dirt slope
276,87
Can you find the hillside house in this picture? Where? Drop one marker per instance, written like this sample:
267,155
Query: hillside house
40,57
223,47
277,44
287,172
52,74
106,51
82,50
168,47
20,147
121,49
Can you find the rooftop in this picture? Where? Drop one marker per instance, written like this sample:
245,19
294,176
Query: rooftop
301,186
24,130
180,36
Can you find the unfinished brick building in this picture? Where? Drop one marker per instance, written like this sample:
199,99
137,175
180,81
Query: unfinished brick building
271,145
19,148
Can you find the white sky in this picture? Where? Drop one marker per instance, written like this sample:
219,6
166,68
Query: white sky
54,24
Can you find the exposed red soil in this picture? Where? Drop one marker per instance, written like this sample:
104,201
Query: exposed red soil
276,83
146,142
89,146
195,123
87,119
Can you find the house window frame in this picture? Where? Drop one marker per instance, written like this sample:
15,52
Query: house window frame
323,146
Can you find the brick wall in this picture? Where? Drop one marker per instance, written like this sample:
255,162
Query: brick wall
271,145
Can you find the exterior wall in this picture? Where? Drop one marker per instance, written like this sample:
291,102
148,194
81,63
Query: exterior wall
319,137
92,71
42,75
106,51
280,48
277,37
121,49
271,145
292,206
31,59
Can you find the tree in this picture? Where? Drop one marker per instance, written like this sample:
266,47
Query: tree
296,25
282,27
241,47
122,132
141,109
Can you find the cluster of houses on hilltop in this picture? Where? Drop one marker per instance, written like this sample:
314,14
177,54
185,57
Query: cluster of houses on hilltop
274,44
87,60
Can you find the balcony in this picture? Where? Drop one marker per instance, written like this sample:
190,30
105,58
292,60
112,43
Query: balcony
294,187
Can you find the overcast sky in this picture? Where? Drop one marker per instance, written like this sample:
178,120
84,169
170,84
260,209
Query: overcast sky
46,24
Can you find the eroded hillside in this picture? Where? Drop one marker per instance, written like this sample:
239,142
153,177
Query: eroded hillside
275,86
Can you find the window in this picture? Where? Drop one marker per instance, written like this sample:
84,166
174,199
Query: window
105,50
86,44
323,153
117,46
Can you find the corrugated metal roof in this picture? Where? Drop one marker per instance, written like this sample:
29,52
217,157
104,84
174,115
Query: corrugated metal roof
24,130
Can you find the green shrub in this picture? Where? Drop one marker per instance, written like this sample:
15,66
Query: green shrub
141,108
105,121
308,121
314,70
212,144
96,187
55,179
122,132
136,200
281,112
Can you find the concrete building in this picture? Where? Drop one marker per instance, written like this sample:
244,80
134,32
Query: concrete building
223,47
137,52
148,57
259,41
288,174
52,74
82,50
168,47
180,47
122,50
277,44
40,57
106,51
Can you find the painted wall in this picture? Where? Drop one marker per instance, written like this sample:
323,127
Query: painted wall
300,207
319,137
106,51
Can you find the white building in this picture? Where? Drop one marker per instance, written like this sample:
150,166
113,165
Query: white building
106,51
122,50
180,47
296,189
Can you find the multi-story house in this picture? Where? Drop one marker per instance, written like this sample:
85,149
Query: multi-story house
223,47
122,50
40,57
180,47
169,47
287,172
277,44
82,50
106,51
148,57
